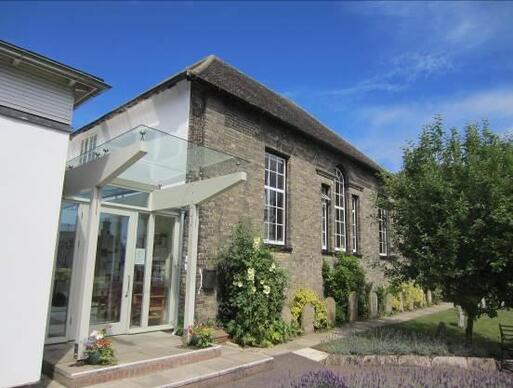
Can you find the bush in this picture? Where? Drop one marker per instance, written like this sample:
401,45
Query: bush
381,292
412,296
251,291
339,281
319,379
201,336
304,296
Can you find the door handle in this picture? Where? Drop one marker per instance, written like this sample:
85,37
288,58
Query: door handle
127,287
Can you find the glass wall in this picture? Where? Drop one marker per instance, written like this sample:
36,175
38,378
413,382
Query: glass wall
109,269
63,269
161,271
139,270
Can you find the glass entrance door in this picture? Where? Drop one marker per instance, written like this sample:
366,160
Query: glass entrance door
112,282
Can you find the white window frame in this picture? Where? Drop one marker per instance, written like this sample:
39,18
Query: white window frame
325,205
340,212
267,194
354,222
383,232
87,145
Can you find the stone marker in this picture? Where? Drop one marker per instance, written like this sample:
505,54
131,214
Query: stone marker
373,305
352,306
388,304
429,298
461,318
286,315
401,302
331,309
307,318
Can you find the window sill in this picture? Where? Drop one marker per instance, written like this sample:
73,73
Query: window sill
329,253
278,247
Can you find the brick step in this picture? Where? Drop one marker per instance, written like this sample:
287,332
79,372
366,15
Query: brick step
229,367
96,375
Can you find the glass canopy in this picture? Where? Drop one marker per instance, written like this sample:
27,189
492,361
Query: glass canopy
170,160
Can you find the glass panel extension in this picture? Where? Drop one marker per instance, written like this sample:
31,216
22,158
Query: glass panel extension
161,272
63,269
109,269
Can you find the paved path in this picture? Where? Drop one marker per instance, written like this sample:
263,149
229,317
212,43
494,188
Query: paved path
309,340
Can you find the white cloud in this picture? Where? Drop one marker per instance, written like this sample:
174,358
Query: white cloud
388,128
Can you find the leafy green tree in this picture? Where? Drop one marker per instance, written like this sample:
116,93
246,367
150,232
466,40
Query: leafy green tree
451,211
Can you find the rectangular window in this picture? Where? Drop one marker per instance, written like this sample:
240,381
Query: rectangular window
325,205
340,212
383,232
87,145
354,222
274,213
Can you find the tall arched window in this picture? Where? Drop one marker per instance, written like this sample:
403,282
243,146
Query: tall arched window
340,212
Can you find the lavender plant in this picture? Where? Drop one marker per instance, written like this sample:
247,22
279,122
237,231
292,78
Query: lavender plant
319,379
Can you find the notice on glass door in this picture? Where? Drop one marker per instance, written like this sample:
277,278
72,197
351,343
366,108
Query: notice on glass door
140,256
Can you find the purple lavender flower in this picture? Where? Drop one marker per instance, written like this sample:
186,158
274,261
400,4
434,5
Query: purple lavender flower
319,379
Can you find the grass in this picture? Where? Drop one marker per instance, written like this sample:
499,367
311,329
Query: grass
423,336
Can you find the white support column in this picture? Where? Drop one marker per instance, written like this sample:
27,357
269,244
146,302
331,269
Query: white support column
86,264
175,270
192,255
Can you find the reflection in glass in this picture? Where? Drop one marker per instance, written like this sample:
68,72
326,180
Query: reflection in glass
109,269
63,268
161,272
139,268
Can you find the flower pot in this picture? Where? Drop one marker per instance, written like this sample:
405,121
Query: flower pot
94,358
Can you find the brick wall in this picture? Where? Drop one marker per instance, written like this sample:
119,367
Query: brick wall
224,123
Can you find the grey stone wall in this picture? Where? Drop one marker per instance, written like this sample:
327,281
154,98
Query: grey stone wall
224,123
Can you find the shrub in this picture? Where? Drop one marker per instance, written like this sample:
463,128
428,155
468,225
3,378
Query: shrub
201,336
339,281
412,295
381,292
319,379
304,296
251,291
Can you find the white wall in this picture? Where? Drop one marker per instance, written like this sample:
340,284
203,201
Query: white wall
32,171
167,111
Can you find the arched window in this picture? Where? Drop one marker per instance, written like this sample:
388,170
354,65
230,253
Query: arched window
340,212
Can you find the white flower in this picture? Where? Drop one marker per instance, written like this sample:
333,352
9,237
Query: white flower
262,282
239,284
267,290
97,335
251,274
256,242
253,290
273,267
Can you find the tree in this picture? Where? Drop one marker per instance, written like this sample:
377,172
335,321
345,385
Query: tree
451,211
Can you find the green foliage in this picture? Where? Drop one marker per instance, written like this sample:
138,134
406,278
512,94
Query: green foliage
413,296
251,291
339,281
201,336
389,341
381,292
304,296
451,207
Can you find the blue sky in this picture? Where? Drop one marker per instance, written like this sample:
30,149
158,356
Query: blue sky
373,72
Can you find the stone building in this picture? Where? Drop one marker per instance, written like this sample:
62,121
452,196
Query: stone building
309,193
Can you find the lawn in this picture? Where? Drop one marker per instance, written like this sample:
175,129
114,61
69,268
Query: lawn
425,337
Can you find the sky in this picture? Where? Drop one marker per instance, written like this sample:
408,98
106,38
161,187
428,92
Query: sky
374,72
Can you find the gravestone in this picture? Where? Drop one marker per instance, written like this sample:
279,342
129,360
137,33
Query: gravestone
388,304
373,305
353,306
429,298
331,310
307,318
286,315
401,302
461,318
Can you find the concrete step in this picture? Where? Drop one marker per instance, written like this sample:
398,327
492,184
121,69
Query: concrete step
231,366
75,377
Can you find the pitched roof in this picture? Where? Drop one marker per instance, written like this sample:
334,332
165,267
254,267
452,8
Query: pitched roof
218,73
